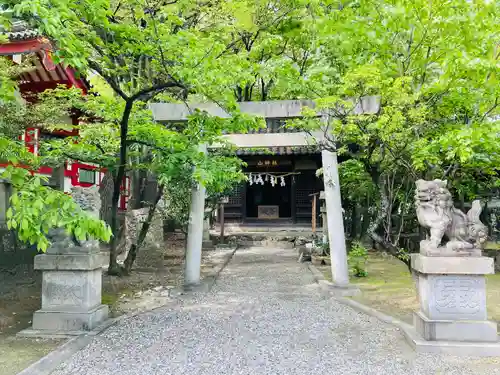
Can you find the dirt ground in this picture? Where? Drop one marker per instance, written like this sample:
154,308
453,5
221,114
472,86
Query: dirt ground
156,270
19,298
390,288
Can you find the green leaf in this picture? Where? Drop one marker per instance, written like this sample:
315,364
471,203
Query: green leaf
14,199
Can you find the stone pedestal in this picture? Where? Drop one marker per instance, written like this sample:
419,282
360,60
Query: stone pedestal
71,290
452,296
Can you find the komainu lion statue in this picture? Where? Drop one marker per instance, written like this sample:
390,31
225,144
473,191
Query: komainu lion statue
466,234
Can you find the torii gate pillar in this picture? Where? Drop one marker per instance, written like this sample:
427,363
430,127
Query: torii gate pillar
336,236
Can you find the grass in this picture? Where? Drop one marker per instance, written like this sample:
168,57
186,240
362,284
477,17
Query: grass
490,245
111,298
390,288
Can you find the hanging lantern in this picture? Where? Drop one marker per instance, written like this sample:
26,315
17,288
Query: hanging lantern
250,179
282,181
267,178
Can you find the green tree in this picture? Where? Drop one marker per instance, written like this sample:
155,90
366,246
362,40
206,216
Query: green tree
34,209
432,69
170,153
144,50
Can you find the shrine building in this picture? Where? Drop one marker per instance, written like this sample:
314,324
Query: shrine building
281,163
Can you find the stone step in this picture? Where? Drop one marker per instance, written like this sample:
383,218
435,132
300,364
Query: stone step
269,244
286,240
264,229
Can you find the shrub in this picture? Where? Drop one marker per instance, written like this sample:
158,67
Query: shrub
357,258
322,248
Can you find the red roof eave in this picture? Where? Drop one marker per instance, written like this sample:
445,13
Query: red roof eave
78,83
25,46
43,46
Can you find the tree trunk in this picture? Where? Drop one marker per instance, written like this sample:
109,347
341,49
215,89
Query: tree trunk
134,248
372,230
247,93
238,92
354,221
114,268
462,202
365,222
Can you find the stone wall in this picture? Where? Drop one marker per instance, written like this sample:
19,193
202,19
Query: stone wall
13,252
4,199
133,225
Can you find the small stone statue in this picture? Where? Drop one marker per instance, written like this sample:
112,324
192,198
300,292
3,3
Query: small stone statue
89,200
466,234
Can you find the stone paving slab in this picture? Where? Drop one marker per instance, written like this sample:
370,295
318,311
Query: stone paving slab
265,315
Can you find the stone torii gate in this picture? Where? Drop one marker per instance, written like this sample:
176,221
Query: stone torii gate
164,112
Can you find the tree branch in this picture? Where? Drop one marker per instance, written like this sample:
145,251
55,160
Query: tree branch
495,105
448,171
136,141
148,93
114,85
77,158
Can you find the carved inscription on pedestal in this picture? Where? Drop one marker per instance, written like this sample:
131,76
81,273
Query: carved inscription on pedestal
456,295
459,296
66,288
64,294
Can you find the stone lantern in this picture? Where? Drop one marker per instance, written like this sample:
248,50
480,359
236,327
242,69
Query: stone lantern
71,280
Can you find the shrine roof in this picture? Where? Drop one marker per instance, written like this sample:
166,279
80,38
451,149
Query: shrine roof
20,32
44,73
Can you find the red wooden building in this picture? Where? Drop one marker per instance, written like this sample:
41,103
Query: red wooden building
45,74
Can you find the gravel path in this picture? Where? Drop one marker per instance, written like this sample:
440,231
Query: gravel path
264,316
